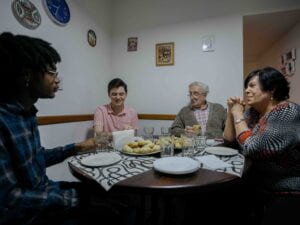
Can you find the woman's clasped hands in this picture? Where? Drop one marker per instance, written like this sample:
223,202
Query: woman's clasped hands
236,105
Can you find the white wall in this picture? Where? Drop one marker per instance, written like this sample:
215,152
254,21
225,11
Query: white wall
272,58
85,70
164,89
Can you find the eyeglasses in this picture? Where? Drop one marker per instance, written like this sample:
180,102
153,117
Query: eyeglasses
122,94
52,73
196,94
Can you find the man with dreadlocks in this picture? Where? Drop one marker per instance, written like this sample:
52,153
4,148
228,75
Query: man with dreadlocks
27,196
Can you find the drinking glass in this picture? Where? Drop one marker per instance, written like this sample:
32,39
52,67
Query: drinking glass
188,145
200,143
102,140
166,144
165,130
149,131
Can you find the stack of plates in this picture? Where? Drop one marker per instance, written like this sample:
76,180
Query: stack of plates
176,165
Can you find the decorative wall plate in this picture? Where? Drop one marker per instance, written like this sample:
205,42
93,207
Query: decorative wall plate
26,13
92,38
58,11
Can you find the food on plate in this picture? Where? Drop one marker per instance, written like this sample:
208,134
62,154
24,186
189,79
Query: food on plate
141,147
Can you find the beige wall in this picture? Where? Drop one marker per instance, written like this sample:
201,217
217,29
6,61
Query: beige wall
272,58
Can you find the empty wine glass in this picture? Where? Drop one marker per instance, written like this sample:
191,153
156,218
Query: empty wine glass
165,130
149,131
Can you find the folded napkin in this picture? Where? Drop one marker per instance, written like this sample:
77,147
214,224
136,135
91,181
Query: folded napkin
122,137
212,161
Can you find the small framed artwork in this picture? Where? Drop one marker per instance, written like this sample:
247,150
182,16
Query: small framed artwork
291,55
165,54
290,68
208,43
287,62
91,38
132,44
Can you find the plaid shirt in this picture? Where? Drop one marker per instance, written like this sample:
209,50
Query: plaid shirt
25,189
202,117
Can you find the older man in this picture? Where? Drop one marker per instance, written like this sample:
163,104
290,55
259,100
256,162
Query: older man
210,116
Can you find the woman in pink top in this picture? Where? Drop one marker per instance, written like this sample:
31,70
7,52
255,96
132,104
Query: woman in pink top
116,115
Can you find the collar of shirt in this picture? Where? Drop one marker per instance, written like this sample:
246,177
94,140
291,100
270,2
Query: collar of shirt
110,111
202,109
18,108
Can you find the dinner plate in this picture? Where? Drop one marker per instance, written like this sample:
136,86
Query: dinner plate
140,154
101,159
221,151
176,165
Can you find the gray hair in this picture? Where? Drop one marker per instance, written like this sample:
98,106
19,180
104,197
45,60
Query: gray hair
201,85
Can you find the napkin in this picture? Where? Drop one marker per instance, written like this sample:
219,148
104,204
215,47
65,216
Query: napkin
122,137
212,161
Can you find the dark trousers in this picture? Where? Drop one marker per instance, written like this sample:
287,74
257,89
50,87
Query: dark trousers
95,207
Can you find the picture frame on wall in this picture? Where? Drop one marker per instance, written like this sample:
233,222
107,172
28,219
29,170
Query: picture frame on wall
287,61
132,44
164,54
91,38
290,68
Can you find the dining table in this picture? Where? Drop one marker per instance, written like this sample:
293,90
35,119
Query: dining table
135,174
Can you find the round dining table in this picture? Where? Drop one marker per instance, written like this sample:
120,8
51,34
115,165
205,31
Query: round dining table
151,182
165,198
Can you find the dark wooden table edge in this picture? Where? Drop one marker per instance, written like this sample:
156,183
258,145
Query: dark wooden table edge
119,188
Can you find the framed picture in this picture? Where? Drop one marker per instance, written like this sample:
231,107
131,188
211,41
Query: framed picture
165,54
132,44
291,55
91,38
208,43
290,68
287,62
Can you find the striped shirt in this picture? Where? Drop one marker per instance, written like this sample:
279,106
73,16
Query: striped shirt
24,187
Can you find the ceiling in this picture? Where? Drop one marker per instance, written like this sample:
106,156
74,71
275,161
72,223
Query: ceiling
261,31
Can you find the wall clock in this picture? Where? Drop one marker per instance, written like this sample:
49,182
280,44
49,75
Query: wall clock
58,11
26,13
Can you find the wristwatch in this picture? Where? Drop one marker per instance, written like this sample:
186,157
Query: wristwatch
237,121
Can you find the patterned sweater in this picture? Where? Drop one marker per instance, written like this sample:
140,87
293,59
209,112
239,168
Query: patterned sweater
273,143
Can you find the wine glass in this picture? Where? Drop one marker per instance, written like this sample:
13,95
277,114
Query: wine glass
149,131
165,130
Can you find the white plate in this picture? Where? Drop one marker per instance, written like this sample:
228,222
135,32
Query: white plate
140,154
101,159
176,165
221,151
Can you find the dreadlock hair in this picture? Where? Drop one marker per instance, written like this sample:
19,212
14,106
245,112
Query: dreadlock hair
20,55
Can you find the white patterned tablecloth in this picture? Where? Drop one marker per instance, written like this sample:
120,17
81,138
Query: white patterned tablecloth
107,176
130,166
